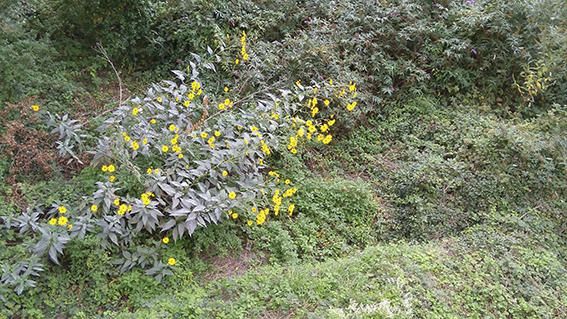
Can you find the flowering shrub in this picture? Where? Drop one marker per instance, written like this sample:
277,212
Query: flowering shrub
182,157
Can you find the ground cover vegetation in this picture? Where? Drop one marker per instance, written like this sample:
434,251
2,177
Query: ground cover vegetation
309,159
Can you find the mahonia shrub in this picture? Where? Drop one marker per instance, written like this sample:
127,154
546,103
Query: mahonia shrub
184,156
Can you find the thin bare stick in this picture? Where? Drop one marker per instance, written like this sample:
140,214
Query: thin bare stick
102,50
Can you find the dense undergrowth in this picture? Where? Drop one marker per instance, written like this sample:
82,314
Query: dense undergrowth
443,197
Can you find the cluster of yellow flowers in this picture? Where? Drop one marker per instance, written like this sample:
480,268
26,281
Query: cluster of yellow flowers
62,220
243,51
135,145
352,89
227,104
147,198
123,208
275,205
307,129
196,90
110,169
151,170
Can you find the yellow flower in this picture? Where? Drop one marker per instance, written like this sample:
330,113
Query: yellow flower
62,221
172,127
62,209
287,181
186,103
153,121
331,81
265,148
122,209
275,116
225,89
293,151
326,102
116,201
35,107
104,168
171,261
260,219
289,192
351,106
225,173
52,221
236,61
204,135
290,209
135,146
165,148
145,141
135,111
352,87
331,122
324,128
221,107
70,227
250,222
191,96
145,199
217,133
314,111
112,178
195,85
292,142
94,208
149,170
211,142
159,99
232,195
165,240
233,215
327,139
111,168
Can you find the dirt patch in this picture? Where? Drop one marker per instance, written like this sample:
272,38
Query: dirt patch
231,266
276,315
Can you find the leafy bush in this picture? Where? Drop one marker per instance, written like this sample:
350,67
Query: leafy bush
177,160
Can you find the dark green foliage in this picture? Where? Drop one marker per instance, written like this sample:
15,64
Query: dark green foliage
441,169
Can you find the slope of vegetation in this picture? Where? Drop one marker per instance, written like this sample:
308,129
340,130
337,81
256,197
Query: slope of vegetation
441,193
